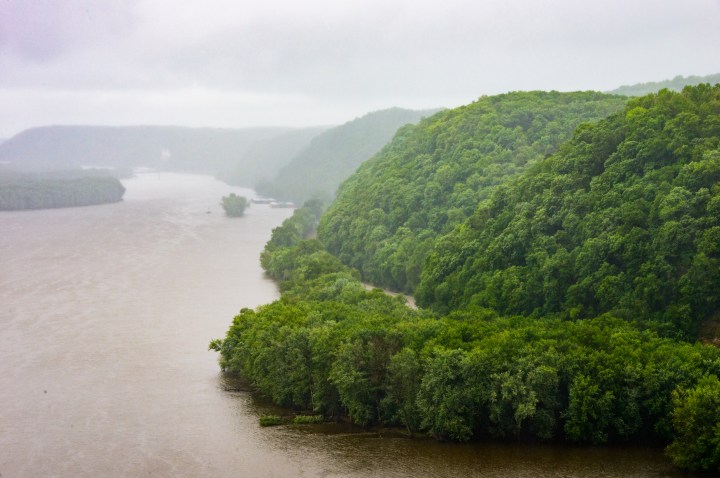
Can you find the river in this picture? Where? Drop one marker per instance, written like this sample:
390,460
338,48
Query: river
105,317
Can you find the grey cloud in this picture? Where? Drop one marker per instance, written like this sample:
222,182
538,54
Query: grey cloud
356,52
39,30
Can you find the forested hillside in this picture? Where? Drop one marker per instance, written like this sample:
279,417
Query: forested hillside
676,84
562,308
204,150
318,170
432,176
625,218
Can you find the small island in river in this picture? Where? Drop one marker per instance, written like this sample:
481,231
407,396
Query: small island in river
26,191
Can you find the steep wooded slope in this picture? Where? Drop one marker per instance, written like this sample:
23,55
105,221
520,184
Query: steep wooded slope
625,218
432,176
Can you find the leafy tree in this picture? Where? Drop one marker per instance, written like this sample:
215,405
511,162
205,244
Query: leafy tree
696,417
234,205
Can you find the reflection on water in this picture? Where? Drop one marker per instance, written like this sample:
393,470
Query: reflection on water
106,313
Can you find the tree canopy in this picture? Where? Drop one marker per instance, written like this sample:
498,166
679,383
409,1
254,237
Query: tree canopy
42,192
331,347
431,177
624,218
234,205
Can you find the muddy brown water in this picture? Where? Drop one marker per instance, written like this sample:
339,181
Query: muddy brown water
105,317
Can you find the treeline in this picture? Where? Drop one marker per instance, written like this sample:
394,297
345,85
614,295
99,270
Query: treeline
625,219
431,177
329,346
42,192
676,84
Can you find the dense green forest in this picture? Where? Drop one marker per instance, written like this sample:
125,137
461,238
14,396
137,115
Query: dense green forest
676,84
625,218
329,346
332,156
65,189
432,176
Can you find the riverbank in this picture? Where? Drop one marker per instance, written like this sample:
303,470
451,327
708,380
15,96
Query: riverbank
334,347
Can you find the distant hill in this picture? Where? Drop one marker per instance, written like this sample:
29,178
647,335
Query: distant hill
334,155
676,84
205,150
268,156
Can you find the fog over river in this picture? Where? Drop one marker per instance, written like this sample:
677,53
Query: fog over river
105,317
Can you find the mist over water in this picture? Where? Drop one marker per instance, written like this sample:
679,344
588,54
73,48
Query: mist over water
105,317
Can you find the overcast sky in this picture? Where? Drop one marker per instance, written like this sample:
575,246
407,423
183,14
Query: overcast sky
237,63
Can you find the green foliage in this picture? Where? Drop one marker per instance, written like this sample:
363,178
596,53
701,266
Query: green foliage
300,226
234,205
332,156
431,177
374,360
622,219
270,420
330,346
34,192
696,417
619,227
308,419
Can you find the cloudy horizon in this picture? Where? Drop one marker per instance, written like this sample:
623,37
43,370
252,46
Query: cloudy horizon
224,63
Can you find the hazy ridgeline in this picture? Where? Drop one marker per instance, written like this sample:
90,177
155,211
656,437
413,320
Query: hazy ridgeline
332,156
287,163
676,84
202,150
270,155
